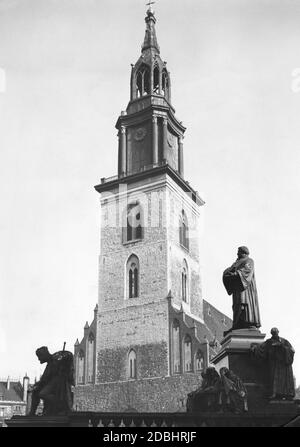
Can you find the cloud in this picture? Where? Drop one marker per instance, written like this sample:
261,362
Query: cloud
5,5
2,80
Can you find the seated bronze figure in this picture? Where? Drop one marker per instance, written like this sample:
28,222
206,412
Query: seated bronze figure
206,398
233,393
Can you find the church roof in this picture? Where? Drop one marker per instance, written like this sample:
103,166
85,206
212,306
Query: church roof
13,394
215,320
210,330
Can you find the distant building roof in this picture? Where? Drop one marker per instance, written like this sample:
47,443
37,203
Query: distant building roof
13,394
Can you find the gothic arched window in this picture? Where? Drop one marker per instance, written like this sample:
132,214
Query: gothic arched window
143,81
132,364
90,357
165,84
156,80
183,230
80,367
176,347
184,283
134,223
133,276
199,361
187,353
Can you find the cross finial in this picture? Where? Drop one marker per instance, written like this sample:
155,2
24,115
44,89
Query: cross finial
150,5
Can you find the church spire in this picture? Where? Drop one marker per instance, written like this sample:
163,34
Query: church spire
150,40
149,76
149,133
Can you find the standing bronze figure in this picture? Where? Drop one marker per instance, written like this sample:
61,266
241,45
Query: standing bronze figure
239,281
279,355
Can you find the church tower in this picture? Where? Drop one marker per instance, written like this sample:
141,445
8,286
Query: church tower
151,339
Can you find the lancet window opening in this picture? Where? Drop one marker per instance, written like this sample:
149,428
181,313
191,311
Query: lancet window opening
143,86
176,361
184,283
156,75
132,370
187,353
133,277
165,84
199,361
183,230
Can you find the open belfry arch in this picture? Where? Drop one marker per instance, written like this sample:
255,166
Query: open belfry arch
152,329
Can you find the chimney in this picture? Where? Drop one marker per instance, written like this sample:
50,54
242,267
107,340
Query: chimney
8,383
25,387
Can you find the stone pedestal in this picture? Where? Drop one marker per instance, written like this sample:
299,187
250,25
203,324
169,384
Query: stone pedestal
235,354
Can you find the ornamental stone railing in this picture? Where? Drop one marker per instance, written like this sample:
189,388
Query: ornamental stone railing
279,415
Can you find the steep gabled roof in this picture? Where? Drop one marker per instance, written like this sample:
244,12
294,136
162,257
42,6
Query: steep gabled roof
216,321
13,394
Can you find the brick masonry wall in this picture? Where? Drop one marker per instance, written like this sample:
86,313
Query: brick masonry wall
142,327
178,201
151,251
151,362
163,394
137,323
142,323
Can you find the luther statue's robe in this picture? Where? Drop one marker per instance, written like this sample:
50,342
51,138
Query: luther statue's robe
239,281
279,355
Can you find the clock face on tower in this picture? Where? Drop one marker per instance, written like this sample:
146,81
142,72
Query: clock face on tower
140,134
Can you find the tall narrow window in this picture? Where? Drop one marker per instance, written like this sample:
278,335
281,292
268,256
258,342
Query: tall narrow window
176,346
199,363
165,84
80,367
187,353
139,84
133,276
143,81
132,364
156,80
184,283
183,231
134,223
90,358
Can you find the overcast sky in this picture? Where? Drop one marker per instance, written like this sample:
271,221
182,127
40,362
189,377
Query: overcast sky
64,78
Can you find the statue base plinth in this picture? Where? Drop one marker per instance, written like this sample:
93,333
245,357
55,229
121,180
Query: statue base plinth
240,340
235,354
